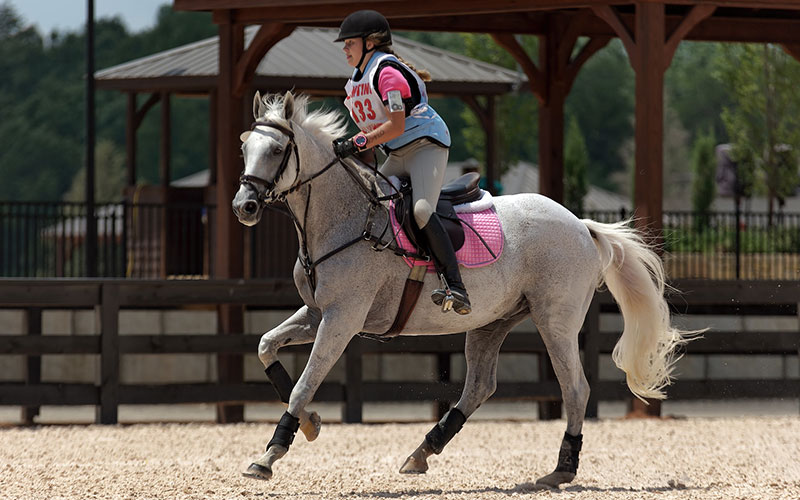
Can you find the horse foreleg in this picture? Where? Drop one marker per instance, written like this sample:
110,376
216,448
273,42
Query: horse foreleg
337,327
300,328
481,350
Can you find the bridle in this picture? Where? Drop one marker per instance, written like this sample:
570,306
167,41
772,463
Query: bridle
268,196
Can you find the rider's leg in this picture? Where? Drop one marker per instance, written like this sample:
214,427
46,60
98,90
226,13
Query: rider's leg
426,164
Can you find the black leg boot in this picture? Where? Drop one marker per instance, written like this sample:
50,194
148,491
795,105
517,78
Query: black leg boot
442,249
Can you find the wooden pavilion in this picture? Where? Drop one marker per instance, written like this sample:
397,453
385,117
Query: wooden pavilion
570,31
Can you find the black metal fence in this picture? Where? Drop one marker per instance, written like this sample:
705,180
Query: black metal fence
176,240
39,239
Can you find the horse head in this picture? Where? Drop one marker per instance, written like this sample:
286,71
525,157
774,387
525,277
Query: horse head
267,150
284,130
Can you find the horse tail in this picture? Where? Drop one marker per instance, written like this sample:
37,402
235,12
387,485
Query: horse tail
634,274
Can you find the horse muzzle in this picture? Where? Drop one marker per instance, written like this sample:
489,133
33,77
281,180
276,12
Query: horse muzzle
246,208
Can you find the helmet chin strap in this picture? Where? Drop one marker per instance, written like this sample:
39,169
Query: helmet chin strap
364,53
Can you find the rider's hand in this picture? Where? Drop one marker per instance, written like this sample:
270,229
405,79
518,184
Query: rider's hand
344,147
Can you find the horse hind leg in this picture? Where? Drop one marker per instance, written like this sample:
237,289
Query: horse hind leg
482,348
559,331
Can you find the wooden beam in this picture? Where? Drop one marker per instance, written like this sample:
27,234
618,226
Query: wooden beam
450,7
268,35
695,16
148,104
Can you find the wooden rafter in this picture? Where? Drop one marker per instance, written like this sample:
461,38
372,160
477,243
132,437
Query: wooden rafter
268,35
141,112
610,15
692,19
792,49
588,50
535,77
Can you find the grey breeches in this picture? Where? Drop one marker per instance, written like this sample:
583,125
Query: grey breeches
425,162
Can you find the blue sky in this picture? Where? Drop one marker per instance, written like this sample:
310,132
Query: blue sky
70,15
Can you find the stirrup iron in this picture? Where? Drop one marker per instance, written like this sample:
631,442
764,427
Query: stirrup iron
448,300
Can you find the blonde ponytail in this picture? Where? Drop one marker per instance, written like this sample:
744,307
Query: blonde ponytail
382,42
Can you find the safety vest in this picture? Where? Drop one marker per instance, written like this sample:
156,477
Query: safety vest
368,111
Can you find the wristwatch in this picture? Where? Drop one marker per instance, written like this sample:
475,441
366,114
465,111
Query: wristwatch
360,140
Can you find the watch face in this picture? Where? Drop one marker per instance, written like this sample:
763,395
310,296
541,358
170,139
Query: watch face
360,141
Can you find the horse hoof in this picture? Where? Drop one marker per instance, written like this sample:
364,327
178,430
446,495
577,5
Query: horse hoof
257,471
414,465
554,479
312,426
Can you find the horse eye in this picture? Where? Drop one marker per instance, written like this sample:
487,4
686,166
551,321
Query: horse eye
278,150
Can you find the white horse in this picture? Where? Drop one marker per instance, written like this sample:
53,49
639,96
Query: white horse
549,269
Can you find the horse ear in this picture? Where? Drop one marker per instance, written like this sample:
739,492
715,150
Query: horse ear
244,135
288,105
257,105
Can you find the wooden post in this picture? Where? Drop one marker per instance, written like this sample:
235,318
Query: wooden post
551,118
130,138
229,235
34,363
443,369
591,354
648,62
492,164
108,319
353,409
551,82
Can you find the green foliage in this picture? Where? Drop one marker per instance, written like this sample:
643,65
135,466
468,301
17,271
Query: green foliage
109,175
516,114
693,91
576,160
703,172
763,122
42,98
602,99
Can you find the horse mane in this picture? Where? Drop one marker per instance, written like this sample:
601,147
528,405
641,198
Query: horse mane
324,124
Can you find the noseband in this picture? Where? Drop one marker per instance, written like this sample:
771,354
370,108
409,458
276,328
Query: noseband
268,195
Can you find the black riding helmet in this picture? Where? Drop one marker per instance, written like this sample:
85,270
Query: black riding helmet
363,23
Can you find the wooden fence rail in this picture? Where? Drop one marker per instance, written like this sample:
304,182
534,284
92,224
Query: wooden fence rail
108,297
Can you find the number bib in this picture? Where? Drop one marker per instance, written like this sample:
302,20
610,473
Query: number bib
365,105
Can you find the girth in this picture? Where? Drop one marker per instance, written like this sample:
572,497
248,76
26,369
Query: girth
462,190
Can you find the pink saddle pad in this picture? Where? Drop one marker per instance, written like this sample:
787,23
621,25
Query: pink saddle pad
474,252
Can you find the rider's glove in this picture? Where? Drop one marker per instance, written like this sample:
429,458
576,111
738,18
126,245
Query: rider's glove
344,147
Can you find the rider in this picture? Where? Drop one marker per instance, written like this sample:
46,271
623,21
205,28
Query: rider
387,99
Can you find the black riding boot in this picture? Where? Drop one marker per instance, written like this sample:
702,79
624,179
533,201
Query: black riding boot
442,249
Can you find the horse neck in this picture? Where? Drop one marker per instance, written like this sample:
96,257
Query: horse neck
336,206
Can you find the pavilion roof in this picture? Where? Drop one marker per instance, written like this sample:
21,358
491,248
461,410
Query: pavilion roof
306,60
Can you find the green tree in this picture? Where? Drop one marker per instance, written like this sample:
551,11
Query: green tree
576,161
109,179
763,122
693,92
703,172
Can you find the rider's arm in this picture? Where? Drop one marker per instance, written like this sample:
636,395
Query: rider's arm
390,80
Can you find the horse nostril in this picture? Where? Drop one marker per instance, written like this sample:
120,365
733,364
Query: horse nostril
250,207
